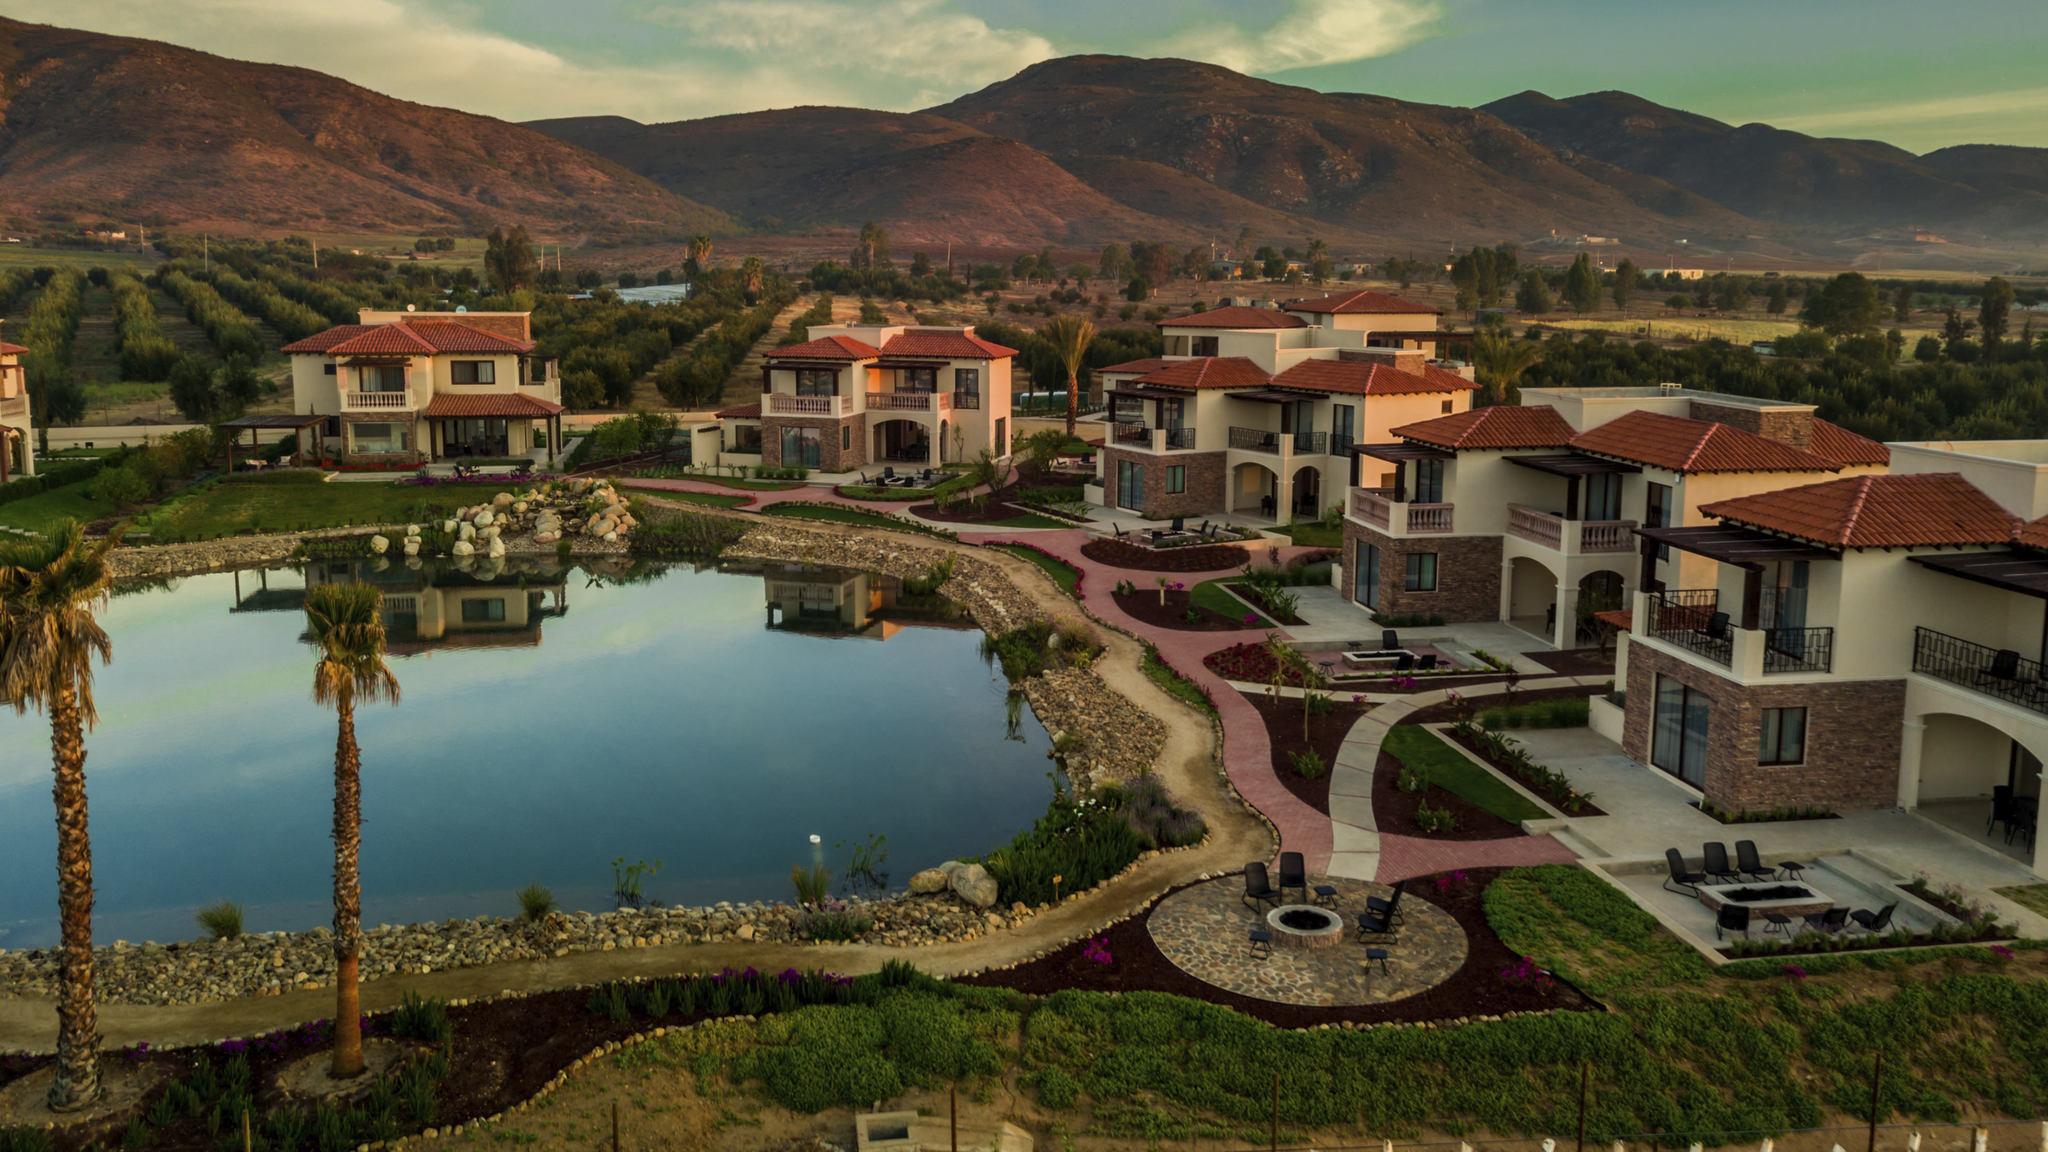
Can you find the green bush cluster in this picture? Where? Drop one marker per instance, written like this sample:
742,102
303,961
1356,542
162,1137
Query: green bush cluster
667,535
230,331
633,434
698,376
820,312
747,993
47,331
1084,840
289,317
1561,712
146,353
1030,649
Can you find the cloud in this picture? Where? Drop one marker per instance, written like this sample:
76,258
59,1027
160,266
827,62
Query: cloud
1311,33
728,55
1947,109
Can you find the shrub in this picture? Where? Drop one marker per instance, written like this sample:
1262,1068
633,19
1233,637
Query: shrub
666,535
1083,841
222,921
812,884
832,920
1033,648
1308,765
1564,712
535,902
422,1019
1434,820
1506,754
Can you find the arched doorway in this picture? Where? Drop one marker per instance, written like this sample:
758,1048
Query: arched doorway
1529,598
1977,777
1307,503
899,441
1600,591
1255,491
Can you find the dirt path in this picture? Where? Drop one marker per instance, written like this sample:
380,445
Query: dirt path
743,383
1187,765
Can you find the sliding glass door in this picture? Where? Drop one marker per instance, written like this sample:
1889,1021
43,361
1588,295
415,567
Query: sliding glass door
1678,732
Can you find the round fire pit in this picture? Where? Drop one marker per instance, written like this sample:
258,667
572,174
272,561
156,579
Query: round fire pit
1305,926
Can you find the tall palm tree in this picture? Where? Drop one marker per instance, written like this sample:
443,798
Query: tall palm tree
700,250
1069,337
346,626
1501,360
752,275
49,589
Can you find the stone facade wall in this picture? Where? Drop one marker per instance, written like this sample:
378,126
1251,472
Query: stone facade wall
1205,494
1852,736
831,457
1785,426
1467,573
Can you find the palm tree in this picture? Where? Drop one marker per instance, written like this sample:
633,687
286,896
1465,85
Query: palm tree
700,250
345,624
752,273
49,589
1069,337
1501,359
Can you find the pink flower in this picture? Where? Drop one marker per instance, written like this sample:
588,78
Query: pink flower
1794,971
2002,952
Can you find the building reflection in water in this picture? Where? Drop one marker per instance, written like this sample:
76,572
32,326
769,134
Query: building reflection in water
491,604
845,602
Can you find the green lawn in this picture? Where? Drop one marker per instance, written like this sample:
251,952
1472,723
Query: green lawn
834,514
42,512
2032,897
709,499
1315,534
1161,673
1063,574
288,502
1212,595
1449,769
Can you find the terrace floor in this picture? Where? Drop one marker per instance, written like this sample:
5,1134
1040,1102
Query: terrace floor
1966,818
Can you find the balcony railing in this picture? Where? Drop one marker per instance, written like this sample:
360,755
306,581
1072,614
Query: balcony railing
1341,443
1799,649
1560,534
1136,435
910,401
2000,673
1313,443
1255,440
398,401
1690,618
1377,507
1180,439
1429,519
1372,506
788,404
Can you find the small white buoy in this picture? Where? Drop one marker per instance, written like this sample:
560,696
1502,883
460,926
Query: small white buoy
817,839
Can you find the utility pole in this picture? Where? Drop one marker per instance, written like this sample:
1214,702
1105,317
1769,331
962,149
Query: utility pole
206,251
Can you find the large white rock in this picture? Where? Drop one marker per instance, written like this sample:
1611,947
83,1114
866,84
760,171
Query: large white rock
379,544
502,500
497,549
972,883
929,882
462,548
412,545
546,537
449,526
486,518
465,531
412,529
519,507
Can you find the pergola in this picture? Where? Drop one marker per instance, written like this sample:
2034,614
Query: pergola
2012,571
255,426
1399,455
1744,548
1574,468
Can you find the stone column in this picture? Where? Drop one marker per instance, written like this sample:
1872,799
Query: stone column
1913,734
1565,627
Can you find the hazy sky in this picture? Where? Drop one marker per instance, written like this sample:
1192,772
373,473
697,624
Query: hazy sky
1916,74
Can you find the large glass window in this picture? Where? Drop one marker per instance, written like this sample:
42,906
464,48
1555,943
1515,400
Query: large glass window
473,372
379,438
1657,513
484,611
1678,732
1205,346
1002,444
1420,575
1176,480
919,380
1343,426
967,381
1130,485
1781,736
1365,576
817,381
800,447
1429,482
383,378
1603,497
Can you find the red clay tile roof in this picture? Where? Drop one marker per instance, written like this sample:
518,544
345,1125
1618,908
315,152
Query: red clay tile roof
1845,448
1139,367
1235,316
826,348
1363,378
2033,534
945,343
740,412
1209,372
1682,445
1501,426
1883,511
407,338
1362,301
512,405
7,349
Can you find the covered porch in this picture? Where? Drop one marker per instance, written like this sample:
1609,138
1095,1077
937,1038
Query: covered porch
491,426
276,425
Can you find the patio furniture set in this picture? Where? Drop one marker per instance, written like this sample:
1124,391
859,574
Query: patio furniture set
1178,533
1315,920
1391,649
889,479
2018,814
1750,890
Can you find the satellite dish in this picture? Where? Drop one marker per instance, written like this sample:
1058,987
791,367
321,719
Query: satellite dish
411,307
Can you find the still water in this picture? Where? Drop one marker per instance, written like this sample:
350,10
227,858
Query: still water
552,720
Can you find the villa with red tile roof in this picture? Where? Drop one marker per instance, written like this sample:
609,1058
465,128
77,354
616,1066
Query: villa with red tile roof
1868,641
856,397
1255,410
406,387
17,430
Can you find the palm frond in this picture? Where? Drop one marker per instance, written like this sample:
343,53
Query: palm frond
50,590
346,624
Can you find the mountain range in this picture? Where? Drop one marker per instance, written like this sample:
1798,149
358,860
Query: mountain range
1073,152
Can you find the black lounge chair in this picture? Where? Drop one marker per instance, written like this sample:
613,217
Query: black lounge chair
1426,663
1714,862
1829,923
1717,626
1405,662
1388,910
2005,665
1732,918
1293,874
1118,531
1750,864
2001,807
1374,927
1389,642
1675,865
1257,888
1262,942
1875,923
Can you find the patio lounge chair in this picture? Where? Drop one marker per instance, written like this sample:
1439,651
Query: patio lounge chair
1717,626
2005,665
1750,864
1426,663
1257,889
2001,808
888,473
1714,862
1732,918
1372,927
1294,874
1675,865
1388,910
1875,923
1829,923
1118,531
1405,662
1389,642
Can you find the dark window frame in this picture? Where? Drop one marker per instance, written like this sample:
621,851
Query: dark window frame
1771,749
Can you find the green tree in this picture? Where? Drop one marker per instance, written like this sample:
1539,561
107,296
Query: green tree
1533,296
192,390
50,589
1138,289
1625,274
346,626
509,262
871,312
921,264
1499,360
240,386
700,256
1994,311
1902,303
1582,284
1847,305
1776,299
753,276
1069,337
1114,262
872,249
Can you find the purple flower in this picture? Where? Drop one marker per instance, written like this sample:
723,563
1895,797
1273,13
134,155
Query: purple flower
2002,952
1251,618
1794,971
1097,950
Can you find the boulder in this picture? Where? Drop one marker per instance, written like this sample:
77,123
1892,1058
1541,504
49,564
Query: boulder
465,531
502,500
462,548
519,507
602,526
449,526
412,545
611,537
497,549
546,537
412,529
379,544
973,884
929,882
485,518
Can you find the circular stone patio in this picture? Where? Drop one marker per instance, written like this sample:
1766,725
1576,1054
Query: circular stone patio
1204,929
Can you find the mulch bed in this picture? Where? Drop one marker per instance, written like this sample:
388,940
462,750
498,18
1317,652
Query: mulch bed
1188,558
1577,661
1394,809
1478,989
1326,735
1143,606
1586,809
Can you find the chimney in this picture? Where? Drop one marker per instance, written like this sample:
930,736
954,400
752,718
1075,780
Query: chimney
1791,424
1402,359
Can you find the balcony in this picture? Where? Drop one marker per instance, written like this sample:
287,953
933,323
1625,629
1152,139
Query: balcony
1378,508
1144,439
1799,649
1258,440
399,401
910,401
1571,537
1692,619
786,404
1999,673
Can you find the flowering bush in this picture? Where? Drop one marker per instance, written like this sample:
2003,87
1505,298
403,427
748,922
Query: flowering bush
1097,951
1794,971
1525,971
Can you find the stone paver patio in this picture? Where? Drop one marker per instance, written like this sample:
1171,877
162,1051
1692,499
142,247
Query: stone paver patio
1205,928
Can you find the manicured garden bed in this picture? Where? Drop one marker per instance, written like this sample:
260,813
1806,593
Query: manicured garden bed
1479,806
1189,558
1324,737
1504,754
1183,611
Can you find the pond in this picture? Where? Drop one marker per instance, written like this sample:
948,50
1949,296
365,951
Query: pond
551,721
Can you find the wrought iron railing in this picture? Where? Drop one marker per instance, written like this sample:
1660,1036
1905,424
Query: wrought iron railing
1313,443
1137,434
1255,440
2001,673
1799,649
1183,437
1691,618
